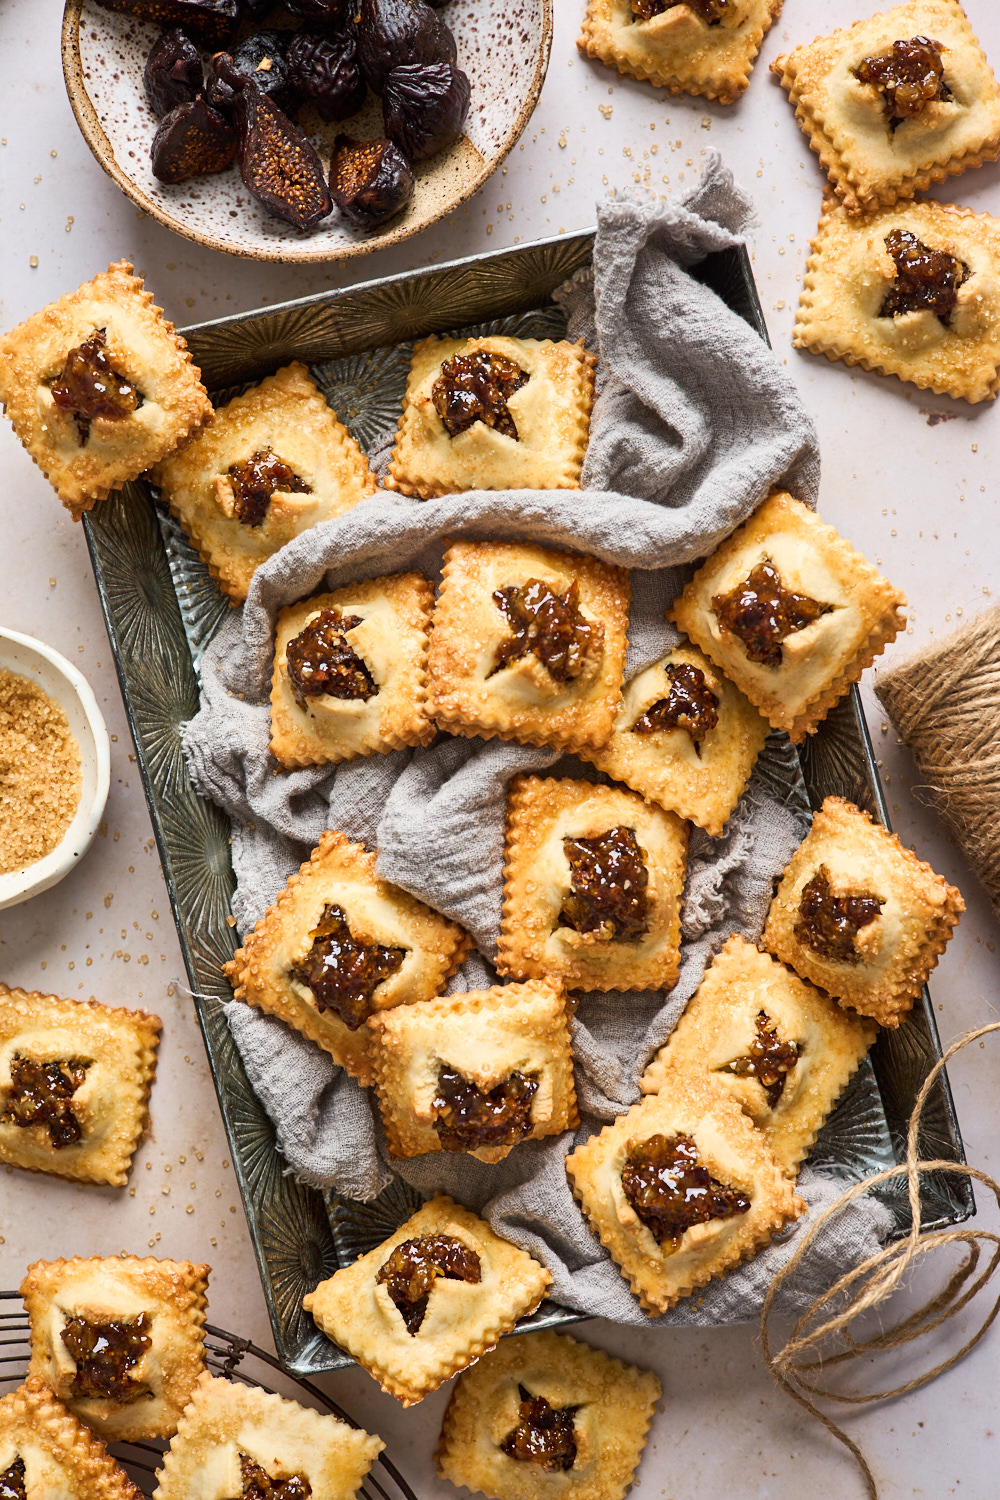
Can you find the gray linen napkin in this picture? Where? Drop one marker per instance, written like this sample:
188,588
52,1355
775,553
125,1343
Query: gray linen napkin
694,422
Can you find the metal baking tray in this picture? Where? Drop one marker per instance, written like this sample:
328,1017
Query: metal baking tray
162,609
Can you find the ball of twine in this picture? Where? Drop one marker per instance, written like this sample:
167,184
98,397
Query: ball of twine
945,705
821,1341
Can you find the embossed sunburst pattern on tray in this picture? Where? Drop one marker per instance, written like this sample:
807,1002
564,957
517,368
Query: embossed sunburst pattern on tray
162,609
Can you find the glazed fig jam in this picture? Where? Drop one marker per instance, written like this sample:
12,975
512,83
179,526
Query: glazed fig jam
258,1484
609,880
544,1435
710,11
42,1094
12,1482
769,1059
925,278
321,661
690,704
908,75
255,481
763,613
671,1191
104,1353
465,1117
476,388
829,924
342,972
90,386
414,1266
548,624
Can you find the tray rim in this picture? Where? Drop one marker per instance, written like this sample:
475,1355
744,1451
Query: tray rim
559,1315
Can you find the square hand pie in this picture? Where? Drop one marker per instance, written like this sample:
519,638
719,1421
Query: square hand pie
99,387
479,1072
860,915
698,47
493,414
428,1301
46,1454
783,1049
895,102
236,1440
340,943
545,1415
75,1078
275,462
912,291
120,1341
593,878
350,672
682,1188
790,612
685,738
528,644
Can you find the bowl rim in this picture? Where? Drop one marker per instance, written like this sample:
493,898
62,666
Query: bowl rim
19,885
93,133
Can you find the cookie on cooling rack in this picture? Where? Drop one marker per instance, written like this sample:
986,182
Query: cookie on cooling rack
46,1452
236,1440
429,1300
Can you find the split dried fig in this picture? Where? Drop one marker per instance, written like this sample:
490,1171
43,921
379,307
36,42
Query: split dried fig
424,106
193,140
326,73
278,164
173,73
211,22
370,181
395,33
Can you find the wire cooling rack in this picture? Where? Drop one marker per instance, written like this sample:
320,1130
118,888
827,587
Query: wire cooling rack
227,1355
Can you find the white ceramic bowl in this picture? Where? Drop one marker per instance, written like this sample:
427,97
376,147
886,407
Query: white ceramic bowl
55,676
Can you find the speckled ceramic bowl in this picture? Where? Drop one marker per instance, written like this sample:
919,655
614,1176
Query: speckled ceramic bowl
503,45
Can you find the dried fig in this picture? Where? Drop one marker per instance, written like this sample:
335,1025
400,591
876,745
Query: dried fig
173,73
326,73
263,56
256,10
370,181
424,106
192,141
278,164
209,21
322,12
393,33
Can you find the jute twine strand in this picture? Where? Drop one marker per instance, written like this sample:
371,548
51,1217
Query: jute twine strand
944,702
821,1338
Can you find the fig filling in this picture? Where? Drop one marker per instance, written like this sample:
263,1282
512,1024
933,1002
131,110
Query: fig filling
769,1059
413,1268
710,11
255,481
926,279
90,386
476,388
42,1094
258,1484
12,1483
608,895
548,624
342,972
671,1191
466,1118
763,613
829,924
320,660
690,704
104,1353
544,1435
908,75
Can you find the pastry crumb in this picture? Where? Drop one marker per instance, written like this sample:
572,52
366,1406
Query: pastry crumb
40,777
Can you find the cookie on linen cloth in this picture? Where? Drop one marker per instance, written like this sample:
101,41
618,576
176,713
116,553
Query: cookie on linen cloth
860,915
895,102
865,299
99,387
46,1452
783,1049
275,462
429,1300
